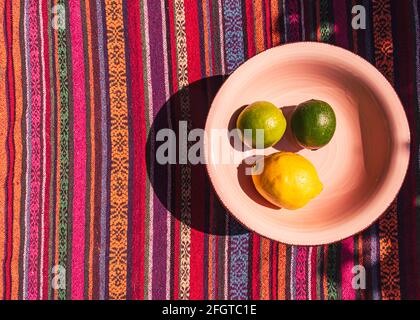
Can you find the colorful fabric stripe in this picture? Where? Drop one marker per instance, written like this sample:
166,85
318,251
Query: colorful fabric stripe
86,211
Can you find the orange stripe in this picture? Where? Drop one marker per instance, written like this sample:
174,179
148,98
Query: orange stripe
210,273
3,136
275,21
118,222
17,175
265,269
259,26
281,277
206,34
325,273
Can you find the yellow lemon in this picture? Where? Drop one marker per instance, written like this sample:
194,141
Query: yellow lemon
286,179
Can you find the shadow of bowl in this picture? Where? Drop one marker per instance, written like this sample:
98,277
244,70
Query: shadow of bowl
185,189
247,185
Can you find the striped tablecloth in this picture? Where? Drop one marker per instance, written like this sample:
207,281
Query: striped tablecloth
87,213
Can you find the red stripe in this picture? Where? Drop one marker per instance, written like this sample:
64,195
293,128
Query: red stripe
250,28
313,273
274,270
175,270
45,271
217,269
347,263
197,176
193,42
139,143
212,275
177,224
255,295
176,172
11,152
79,152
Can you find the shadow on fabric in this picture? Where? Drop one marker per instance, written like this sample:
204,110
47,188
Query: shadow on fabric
185,189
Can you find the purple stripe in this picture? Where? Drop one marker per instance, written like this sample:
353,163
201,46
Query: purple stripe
374,258
104,142
293,19
160,175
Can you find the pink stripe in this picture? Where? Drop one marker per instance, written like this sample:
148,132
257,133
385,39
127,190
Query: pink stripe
313,271
79,131
35,187
347,263
301,260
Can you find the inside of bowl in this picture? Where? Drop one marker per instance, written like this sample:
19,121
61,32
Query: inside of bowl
351,167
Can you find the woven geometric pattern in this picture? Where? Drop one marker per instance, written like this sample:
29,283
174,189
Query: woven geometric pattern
87,211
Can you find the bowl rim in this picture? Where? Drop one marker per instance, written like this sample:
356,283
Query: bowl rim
308,46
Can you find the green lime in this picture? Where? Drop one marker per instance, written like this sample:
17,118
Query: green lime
313,124
261,115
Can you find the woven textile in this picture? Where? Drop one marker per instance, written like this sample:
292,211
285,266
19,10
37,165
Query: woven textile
86,211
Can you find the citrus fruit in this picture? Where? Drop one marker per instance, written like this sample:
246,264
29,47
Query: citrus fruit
313,124
261,115
286,179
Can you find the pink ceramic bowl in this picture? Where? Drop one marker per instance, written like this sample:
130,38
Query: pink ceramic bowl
363,166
